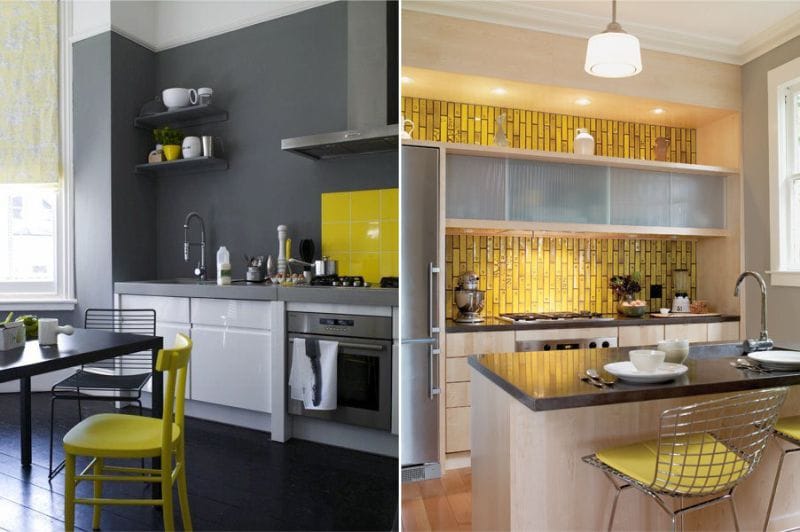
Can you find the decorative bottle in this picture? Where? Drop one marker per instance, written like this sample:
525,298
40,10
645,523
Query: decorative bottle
584,142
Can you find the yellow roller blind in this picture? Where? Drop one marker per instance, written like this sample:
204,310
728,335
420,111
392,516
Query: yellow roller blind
29,136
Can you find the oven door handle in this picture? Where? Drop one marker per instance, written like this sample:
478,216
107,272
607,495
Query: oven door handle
349,345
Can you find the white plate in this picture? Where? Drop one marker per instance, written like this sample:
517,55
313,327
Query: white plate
785,360
628,372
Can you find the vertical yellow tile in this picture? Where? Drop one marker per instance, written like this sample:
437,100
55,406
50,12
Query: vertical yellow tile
390,204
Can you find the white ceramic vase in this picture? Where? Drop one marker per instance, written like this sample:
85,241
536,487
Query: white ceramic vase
584,142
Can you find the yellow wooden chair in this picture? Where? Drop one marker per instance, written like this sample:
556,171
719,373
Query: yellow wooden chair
703,451
113,436
787,429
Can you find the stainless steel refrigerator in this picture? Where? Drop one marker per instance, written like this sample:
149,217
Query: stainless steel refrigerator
419,329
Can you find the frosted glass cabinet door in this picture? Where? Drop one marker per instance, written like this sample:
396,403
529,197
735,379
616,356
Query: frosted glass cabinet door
639,197
697,201
476,187
546,192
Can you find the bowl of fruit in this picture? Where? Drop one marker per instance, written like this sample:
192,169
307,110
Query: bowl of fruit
625,287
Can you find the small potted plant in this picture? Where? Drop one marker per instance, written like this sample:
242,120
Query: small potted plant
625,287
170,139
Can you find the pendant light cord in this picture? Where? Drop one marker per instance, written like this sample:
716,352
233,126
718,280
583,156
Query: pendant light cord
614,11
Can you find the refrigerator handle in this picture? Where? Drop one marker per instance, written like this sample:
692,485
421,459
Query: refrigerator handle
433,383
431,295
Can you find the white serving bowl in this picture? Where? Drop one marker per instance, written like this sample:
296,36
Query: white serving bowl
647,360
175,98
676,350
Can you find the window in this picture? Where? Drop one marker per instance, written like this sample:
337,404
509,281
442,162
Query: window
34,156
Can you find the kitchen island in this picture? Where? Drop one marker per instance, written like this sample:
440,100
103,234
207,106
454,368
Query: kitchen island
533,420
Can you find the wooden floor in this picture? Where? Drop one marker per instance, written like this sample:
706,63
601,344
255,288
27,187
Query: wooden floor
439,504
238,480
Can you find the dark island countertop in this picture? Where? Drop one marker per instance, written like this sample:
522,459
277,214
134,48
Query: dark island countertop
548,380
497,324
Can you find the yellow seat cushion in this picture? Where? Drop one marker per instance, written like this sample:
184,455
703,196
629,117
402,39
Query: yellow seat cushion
701,464
117,436
790,426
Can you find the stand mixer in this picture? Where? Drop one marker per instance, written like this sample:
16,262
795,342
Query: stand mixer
680,281
468,298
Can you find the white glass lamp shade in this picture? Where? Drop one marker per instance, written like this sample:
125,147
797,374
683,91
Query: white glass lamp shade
613,54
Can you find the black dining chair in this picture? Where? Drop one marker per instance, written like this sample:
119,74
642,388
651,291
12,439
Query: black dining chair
117,379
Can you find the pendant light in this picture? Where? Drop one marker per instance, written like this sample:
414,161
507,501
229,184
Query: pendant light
613,53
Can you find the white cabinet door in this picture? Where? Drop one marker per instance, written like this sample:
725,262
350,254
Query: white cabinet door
168,332
231,367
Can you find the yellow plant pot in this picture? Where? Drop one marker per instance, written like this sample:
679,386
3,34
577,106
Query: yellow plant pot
172,152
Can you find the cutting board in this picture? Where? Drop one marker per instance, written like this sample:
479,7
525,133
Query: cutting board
684,315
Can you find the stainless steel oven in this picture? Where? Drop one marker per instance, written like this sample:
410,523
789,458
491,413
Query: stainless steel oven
364,366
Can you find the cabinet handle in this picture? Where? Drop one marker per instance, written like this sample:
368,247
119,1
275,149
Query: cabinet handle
348,345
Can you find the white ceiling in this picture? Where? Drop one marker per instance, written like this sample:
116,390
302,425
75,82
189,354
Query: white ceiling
722,30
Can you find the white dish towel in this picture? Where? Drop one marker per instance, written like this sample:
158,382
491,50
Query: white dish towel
302,379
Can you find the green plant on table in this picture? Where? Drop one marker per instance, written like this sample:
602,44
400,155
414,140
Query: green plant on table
167,136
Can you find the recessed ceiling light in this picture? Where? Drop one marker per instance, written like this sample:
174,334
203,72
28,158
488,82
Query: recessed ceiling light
406,79
477,119
583,101
658,111
498,90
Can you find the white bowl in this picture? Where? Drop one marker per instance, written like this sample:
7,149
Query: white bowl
675,350
664,311
647,360
175,98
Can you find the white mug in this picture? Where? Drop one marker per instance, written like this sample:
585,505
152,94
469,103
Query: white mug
177,97
49,331
191,147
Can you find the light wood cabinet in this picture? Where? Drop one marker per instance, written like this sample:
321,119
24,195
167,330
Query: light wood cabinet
694,332
457,388
727,331
644,335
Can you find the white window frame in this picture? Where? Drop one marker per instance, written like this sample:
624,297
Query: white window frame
782,81
64,298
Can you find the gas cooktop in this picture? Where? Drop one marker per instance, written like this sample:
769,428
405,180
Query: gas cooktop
355,281
533,317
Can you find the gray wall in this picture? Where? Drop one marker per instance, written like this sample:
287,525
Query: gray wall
133,209
784,302
91,169
281,78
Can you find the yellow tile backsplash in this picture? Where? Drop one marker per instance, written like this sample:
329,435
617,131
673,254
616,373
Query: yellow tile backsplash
540,274
464,123
360,230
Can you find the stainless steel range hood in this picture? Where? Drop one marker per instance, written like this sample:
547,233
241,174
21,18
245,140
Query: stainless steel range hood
344,143
371,71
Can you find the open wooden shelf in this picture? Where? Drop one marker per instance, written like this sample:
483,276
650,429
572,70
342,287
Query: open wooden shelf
182,166
494,227
193,115
571,158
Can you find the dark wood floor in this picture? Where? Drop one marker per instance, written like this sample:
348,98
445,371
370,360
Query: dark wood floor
238,480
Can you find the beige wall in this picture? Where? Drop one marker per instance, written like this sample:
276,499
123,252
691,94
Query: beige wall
784,302
457,45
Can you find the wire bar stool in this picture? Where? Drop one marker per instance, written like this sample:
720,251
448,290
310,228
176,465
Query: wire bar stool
702,450
118,379
787,429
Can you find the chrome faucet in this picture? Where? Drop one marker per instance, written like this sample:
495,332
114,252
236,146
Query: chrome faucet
200,269
763,343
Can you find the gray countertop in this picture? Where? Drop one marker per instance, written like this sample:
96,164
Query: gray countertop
384,297
497,324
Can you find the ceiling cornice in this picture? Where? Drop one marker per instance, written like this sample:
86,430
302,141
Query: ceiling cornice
525,15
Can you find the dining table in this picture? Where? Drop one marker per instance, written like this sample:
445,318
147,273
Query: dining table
84,346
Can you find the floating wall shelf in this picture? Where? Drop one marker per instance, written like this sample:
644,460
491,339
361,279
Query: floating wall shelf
194,115
182,166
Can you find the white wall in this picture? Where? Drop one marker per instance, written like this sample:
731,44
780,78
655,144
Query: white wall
163,24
